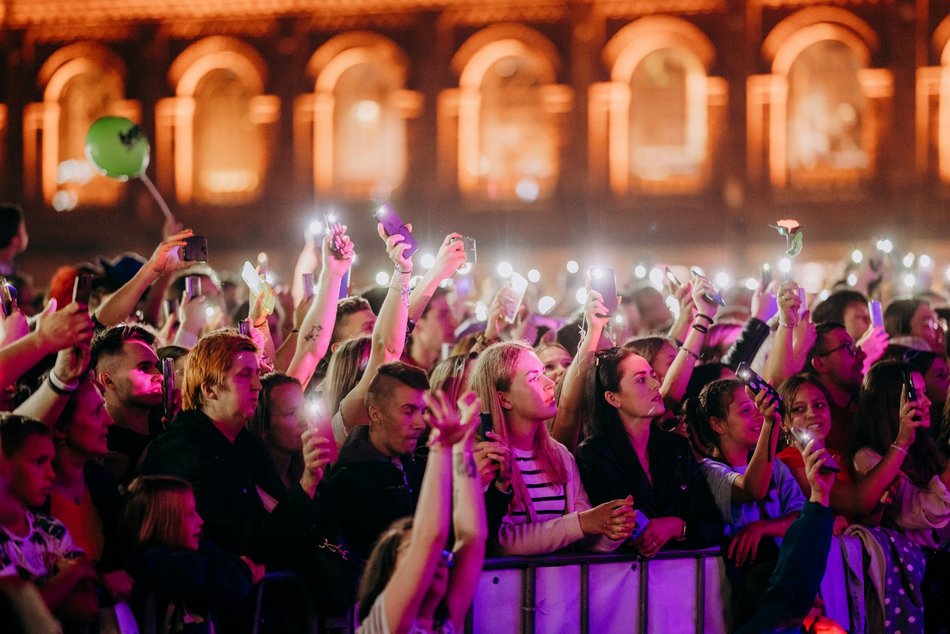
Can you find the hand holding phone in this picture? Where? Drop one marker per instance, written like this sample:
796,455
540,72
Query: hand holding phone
335,229
756,383
517,286
485,425
672,282
712,295
877,313
603,280
393,225
801,437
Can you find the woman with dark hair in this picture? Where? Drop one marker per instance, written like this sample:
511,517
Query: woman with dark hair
549,509
279,421
412,581
627,455
918,503
914,318
758,497
933,367
806,407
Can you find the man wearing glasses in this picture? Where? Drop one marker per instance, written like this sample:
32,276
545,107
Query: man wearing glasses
839,365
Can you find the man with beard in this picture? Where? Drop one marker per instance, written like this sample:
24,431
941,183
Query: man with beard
126,366
839,365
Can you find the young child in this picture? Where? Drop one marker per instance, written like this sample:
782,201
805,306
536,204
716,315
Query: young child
190,579
35,546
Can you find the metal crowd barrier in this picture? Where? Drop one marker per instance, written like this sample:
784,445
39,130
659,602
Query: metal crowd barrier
676,592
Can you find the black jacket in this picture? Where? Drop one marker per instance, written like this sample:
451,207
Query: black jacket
366,491
745,347
610,470
226,477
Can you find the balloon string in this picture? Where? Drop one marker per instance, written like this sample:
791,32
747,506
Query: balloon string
150,186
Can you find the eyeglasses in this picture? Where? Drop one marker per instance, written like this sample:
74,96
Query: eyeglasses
448,558
850,346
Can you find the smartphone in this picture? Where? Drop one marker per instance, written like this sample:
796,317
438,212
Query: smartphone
244,327
322,425
471,256
485,424
801,438
877,313
640,522
307,285
168,387
804,301
8,298
672,283
195,249
756,383
82,288
713,295
192,286
765,276
336,231
908,377
345,285
518,285
393,225
603,279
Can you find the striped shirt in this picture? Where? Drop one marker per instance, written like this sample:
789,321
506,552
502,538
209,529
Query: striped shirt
547,498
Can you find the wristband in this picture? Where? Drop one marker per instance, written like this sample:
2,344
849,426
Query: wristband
900,449
706,317
689,352
700,328
396,269
58,386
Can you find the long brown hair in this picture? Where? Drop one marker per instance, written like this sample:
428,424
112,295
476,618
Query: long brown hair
493,373
381,565
877,422
347,364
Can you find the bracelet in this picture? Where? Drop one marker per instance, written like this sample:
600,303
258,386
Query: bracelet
396,269
57,385
706,317
700,328
689,352
900,449
782,324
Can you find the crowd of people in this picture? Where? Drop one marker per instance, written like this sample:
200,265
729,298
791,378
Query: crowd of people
171,438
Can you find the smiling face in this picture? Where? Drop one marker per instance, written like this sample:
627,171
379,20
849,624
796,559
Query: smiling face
531,394
809,410
85,425
639,394
743,422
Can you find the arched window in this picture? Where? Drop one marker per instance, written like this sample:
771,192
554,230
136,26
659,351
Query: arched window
82,82
817,120
825,114
358,114
653,126
509,140
220,118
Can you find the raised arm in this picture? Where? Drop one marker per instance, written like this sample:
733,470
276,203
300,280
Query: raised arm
389,334
567,421
450,257
313,340
430,531
677,377
754,483
780,364
47,403
165,259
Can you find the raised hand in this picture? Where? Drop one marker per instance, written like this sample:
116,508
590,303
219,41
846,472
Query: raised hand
68,327
396,249
167,255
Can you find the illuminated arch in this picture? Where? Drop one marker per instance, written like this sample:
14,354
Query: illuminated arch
81,82
219,120
822,101
359,110
508,101
659,116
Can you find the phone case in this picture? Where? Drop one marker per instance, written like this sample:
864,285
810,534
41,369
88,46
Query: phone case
604,281
195,249
801,438
755,382
877,313
393,225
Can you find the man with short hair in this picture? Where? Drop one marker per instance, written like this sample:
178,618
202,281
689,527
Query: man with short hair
377,477
126,366
839,365
239,494
354,318
13,236
850,308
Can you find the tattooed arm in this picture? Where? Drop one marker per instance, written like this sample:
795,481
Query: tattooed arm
313,340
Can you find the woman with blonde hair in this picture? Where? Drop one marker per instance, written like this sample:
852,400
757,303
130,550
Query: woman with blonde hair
549,509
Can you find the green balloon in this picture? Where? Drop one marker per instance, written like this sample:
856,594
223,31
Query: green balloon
117,147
